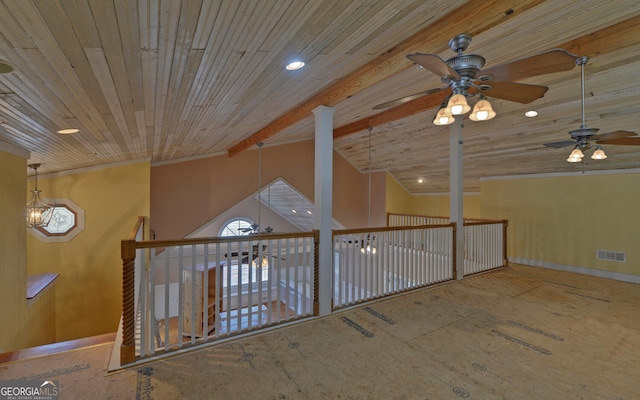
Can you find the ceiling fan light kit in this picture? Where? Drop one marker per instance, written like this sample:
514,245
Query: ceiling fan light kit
482,111
583,137
465,78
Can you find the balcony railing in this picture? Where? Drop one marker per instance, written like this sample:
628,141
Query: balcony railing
485,241
181,293
374,263
199,290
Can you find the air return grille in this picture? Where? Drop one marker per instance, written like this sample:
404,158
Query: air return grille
607,255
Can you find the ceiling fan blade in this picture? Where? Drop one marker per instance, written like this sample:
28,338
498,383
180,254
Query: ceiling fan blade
434,64
555,60
559,145
605,137
512,91
405,99
625,141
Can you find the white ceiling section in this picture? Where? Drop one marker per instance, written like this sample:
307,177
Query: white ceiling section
167,80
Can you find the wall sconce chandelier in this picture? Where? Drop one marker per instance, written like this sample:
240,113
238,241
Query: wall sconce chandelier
38,212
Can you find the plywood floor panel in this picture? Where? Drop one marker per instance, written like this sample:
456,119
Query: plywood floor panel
517,333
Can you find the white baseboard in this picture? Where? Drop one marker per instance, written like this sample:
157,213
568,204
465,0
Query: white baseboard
578,270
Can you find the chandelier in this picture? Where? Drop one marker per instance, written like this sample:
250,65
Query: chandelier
38,212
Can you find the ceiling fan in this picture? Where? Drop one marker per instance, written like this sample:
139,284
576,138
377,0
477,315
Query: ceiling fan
254,229
583,137
464,78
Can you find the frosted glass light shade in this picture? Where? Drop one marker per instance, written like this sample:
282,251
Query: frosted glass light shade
458,105
482,111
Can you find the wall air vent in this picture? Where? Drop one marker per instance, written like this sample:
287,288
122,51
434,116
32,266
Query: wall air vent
607,255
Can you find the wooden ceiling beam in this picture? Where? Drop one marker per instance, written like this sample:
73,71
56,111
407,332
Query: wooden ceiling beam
615,37
393,114
473,18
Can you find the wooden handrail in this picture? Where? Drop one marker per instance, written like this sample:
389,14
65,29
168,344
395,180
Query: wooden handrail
134,232
391,228
147,244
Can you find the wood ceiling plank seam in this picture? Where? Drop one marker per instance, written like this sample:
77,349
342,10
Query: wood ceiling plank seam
141,143
100,66
148,15
273,69
568,17
253,55
388,63
105,19
120,142
14,33
43,97
233,85
168,31
127,22
206,21
30,114
209,75
181,56
343,26
85,88
62,79
292,28
413,18
189,74
292,15
243,56
80,17
82,20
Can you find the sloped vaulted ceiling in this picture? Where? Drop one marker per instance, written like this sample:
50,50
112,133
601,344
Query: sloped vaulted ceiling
174,79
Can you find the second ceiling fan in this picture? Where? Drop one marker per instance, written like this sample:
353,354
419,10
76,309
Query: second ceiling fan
583,137
464,77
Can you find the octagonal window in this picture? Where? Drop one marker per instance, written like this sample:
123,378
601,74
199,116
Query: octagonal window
67,220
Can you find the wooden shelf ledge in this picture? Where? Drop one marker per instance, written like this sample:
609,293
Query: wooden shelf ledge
37,283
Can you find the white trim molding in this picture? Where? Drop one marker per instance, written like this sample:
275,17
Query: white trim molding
557,174
15,150
618,276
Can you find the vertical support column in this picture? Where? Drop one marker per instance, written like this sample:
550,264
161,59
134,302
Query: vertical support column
456,190
323,198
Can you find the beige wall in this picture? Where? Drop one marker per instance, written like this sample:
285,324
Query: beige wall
564,219
399,200
88,292
23,323
187,194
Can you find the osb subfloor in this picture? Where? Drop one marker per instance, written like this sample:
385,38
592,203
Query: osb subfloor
517,333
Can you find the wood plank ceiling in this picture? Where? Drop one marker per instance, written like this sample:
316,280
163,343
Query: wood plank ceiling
169,80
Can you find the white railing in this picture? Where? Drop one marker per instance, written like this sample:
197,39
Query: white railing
484,246
181,293
485,241
373,263
198,290
414,220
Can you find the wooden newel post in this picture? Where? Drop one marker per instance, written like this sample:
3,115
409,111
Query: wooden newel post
128,346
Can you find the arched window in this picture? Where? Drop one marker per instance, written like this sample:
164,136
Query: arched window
237,227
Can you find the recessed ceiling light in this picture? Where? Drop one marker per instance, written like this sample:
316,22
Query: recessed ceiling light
531,113
309,212
420,180
294,211
295,65
68,131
